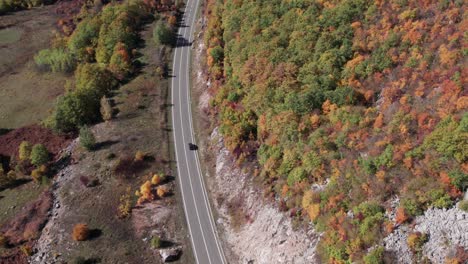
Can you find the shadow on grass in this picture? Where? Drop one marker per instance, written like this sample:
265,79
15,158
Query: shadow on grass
167,244
94,233
105,144
14,184
3,131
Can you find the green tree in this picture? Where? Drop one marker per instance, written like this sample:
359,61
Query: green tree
163,34
39,155
25,150
55,60
87,139
375,256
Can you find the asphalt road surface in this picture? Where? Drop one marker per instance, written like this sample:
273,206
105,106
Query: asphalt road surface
202,228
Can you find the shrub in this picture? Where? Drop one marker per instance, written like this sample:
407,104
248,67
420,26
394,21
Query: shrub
459,179
125,206
106,109
55,60
416,241
120,64
25,150
375,256
27,250
162,191
39,155
156,242
74,109
140,155
87,139
95,79
157,179
217,53
36,175
80,232
463,205
82,42
146,192
84,181
163,34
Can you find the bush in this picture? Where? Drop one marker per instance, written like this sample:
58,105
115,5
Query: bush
125,205
37,175
416,241
156,242
157,179
55,60
217,53
39,155
463,205
140,155
459,179
163,34
106,109
73,110
162,191
375,256
94,79
87,139
81,232
27,250
25,150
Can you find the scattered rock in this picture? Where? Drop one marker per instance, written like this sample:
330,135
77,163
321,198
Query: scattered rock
170,254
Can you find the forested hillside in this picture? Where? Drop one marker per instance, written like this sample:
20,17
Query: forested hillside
364,97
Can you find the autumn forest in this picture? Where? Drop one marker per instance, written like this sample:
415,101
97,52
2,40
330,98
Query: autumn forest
354,110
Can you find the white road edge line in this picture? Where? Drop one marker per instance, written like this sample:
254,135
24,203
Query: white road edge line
186,157
175,147
205,195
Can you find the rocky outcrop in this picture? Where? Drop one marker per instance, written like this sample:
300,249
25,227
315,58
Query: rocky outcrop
447,230
254,228
170,254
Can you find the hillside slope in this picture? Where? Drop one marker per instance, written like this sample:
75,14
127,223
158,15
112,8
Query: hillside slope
366,97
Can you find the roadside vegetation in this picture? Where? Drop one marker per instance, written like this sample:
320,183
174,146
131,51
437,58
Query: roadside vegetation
363,97
115,64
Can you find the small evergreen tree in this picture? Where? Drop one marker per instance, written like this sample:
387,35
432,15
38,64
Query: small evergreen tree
24,150
87,139
39,155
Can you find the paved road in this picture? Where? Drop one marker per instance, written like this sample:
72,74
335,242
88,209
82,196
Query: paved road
202,228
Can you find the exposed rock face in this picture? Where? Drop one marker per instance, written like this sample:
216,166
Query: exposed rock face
170,254
264,235
447,229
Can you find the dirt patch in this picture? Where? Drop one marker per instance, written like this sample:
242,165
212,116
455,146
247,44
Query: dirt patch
34,134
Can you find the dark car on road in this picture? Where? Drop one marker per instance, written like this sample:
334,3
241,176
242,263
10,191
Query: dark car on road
192,146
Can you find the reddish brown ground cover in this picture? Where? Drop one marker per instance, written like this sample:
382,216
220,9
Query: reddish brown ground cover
35,134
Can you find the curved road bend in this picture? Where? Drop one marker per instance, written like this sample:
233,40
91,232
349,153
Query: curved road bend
203,233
